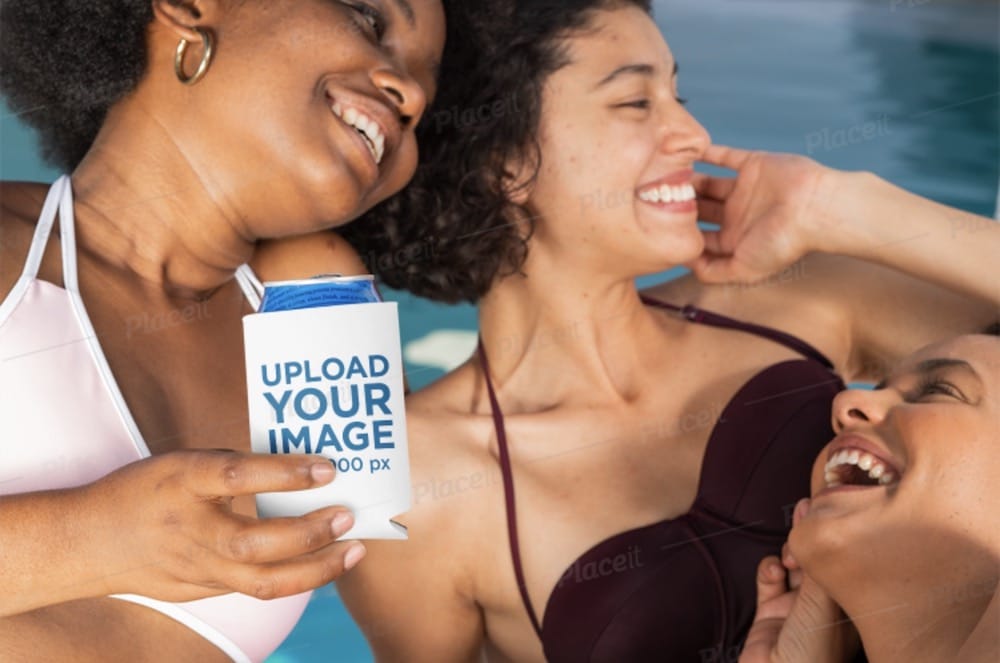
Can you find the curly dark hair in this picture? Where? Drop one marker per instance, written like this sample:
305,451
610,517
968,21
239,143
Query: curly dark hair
64,63
454,229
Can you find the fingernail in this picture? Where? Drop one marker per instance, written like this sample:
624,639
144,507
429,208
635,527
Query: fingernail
354,555
341,523
322,472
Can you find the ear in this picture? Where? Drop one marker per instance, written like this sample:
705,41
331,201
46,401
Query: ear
181,16
518,178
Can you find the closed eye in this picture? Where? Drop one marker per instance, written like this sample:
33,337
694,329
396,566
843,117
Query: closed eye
368,18
935,387
637,103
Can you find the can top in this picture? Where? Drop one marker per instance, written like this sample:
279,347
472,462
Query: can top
318,292
321,279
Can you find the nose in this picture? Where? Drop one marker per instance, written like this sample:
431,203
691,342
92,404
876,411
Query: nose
856,408
684,134
405,94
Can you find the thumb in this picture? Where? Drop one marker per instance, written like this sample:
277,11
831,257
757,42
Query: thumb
773,598
816,630
774,602
715,269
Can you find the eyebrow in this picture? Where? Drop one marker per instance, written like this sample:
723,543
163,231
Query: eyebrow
407,9
637,69
931,365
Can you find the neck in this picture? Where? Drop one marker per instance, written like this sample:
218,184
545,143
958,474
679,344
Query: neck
930,625
140,207
559,335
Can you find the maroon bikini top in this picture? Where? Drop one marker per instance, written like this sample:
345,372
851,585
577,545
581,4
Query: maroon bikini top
684,589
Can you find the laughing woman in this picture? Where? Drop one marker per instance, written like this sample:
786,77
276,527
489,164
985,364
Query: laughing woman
194,129
915,562
626,459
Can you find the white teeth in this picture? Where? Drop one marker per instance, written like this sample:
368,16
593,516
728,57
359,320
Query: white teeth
668,194
366,126
867,462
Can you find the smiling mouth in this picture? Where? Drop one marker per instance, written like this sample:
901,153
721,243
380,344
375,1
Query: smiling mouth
668,194
856,467
367,127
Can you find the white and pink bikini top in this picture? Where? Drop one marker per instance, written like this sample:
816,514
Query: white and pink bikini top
65,423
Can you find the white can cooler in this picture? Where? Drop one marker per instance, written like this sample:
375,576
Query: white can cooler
330,381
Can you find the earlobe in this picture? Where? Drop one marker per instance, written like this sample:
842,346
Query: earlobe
517,191
183,19
518,182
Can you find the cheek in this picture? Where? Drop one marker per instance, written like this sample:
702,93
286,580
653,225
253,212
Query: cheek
403,167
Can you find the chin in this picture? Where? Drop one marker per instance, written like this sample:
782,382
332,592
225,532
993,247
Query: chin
837,546
680,249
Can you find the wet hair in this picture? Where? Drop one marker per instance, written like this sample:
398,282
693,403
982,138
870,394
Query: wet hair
454,230
64,63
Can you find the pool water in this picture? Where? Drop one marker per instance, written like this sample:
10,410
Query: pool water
909,89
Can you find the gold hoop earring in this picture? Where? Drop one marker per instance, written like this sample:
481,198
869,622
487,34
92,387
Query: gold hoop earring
208,45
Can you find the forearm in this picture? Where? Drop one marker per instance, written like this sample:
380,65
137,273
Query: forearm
868,218
45,560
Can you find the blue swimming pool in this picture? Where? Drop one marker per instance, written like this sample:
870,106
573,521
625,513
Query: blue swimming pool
907,88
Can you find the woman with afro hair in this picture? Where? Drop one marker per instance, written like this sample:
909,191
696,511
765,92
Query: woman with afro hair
206,142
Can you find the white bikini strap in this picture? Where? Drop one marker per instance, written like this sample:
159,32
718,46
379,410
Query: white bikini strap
251,286
67,230
44,228
61,196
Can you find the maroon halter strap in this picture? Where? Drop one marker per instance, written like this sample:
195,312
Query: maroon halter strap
715,320
508,485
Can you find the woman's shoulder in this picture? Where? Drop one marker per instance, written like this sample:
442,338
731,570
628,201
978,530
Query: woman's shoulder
793,301
451,446
20,204
442,421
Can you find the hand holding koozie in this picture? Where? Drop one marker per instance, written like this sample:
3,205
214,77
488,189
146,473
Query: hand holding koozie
325,376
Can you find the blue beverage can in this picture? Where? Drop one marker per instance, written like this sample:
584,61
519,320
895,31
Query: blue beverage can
318,292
